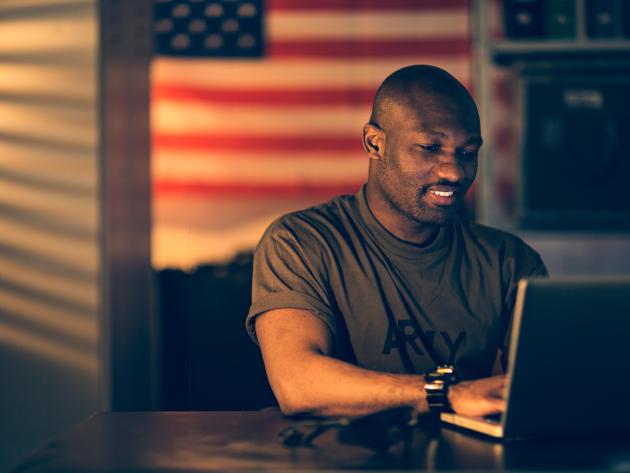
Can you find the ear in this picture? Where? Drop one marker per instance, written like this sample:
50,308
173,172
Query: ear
373,141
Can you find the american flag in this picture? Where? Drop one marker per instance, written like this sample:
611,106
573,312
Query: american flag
239,140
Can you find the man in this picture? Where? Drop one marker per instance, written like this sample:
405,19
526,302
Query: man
356,299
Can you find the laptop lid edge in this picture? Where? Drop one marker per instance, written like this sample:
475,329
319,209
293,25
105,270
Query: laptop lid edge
517,317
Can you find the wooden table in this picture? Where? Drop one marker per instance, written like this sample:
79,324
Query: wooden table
211,441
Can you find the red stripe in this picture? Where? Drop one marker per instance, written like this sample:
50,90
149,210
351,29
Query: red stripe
265,97
165,188
276,97
251,142
366,4
359,49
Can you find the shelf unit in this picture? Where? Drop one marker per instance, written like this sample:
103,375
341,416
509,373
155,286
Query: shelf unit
492,53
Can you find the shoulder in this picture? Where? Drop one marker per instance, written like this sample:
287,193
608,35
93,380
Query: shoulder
313,225
492,237
507,248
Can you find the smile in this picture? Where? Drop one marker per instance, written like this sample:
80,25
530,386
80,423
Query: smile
442,197
442,194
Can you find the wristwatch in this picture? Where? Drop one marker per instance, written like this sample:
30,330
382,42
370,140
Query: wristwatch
436,384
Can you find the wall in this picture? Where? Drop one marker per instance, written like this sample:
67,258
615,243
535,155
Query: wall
581,253
49,220
238,141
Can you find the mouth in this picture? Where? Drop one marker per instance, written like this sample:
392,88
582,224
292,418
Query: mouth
443,196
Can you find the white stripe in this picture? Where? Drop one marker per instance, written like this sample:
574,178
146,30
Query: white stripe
175,117
259,169
368,25
185,247
281,74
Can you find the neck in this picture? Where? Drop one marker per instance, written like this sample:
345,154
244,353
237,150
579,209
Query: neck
399,225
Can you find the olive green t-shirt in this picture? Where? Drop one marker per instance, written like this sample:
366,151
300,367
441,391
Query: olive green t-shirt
392,305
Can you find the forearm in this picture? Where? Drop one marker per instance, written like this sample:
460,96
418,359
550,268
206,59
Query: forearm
305,378
322,385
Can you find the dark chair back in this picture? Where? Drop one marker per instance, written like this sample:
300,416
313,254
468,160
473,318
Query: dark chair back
208,360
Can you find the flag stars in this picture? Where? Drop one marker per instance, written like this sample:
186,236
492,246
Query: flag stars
230,26
163,26
213,41
247,10
180,41
181,10
209,28
246,41
214,10
197,26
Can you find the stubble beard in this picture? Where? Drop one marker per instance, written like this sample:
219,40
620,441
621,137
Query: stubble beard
407,201
412,206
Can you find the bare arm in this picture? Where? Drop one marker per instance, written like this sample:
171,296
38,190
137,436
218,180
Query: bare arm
296,348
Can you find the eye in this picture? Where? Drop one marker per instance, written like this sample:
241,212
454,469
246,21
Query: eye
432,147
469,153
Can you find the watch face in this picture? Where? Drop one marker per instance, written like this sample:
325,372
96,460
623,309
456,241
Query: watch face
436,385
443,373
433,376
445,370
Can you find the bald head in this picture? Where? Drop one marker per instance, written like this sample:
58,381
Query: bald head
419,87
423,139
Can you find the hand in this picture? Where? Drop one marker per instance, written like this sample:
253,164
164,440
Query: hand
479,397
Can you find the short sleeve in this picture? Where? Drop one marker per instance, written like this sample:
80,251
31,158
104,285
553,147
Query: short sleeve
289,273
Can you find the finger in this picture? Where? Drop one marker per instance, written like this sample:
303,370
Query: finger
498,384
488,406
498,405
500,379
498,391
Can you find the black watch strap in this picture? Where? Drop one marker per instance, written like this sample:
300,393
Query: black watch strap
436,387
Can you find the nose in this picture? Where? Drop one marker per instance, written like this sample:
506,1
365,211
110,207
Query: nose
449,168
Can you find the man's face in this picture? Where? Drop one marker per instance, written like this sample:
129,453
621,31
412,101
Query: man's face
429,160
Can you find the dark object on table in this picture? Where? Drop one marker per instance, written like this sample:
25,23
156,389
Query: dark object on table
378,431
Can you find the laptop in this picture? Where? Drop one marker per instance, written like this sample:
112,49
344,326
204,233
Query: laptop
568,368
